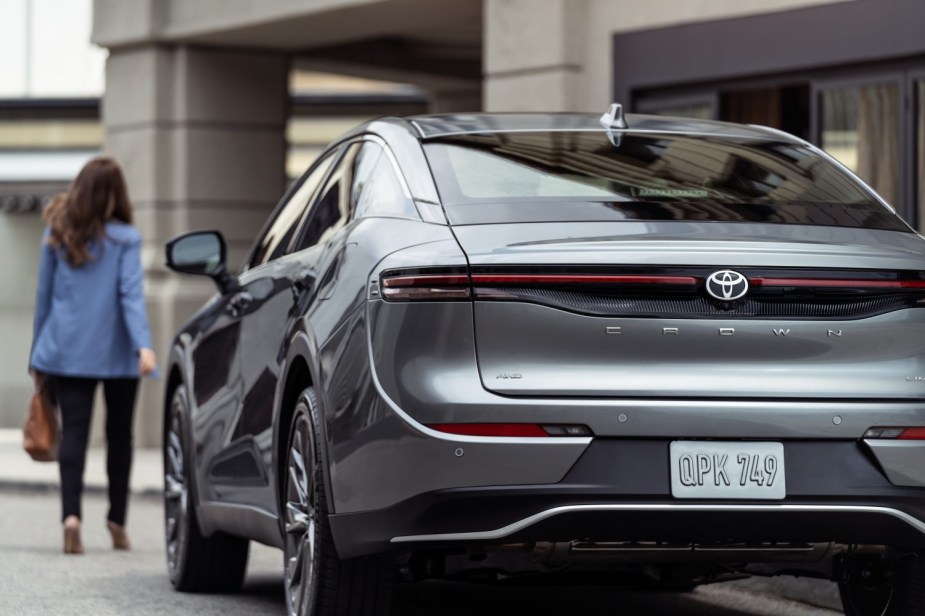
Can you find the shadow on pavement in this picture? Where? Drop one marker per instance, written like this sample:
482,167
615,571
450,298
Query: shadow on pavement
454,598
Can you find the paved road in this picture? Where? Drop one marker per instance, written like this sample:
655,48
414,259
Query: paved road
36,579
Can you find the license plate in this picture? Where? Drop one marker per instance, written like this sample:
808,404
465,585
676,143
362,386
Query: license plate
707,469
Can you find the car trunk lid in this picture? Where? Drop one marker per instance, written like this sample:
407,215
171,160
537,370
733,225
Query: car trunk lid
622,309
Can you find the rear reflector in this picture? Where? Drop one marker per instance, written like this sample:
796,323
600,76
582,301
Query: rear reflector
433,287
902,434
512,429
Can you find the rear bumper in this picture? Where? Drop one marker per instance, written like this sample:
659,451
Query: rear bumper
620,491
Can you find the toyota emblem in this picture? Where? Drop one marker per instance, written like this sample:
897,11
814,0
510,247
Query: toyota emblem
727,285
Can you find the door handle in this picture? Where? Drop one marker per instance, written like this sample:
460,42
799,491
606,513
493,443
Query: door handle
239,302
302,283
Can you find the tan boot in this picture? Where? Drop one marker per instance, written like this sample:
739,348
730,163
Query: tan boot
119,537
72,543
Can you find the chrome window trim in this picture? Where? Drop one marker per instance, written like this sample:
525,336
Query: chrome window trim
388,152
510,529
426,210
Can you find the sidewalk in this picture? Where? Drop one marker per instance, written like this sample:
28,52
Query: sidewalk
19,471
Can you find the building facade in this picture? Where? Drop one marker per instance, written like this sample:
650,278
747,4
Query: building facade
196,104
51,86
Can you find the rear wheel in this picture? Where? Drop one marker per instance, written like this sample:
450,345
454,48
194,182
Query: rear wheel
878,587
194,563
318,583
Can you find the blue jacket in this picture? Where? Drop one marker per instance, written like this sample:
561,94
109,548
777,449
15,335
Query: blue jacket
90,321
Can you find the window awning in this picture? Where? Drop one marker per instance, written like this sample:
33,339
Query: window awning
28,179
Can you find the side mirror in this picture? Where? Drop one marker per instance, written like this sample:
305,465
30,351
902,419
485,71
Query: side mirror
201,253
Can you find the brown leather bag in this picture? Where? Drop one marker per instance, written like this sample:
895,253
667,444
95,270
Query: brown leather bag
41,432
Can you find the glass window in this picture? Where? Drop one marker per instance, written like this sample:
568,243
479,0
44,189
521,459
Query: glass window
377,191
698,112
55,133
860,127
696,106
275,240
581,176
920,150
331,210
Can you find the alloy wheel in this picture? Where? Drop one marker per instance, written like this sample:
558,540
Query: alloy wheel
176,492
300,520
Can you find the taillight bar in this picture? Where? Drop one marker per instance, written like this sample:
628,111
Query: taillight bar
835,282
527,430
453,286
570,279
897,433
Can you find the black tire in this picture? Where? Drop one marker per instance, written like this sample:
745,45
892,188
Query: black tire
881,587
194,563
317,582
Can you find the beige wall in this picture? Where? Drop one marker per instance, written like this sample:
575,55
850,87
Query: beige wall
559,58
20,236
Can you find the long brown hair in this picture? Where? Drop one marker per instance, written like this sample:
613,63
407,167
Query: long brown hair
96,196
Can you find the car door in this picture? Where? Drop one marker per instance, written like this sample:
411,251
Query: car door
238,453
284,285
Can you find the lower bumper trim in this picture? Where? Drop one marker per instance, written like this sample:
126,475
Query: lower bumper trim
515,527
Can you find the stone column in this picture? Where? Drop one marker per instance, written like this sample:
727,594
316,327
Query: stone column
534,56
200,134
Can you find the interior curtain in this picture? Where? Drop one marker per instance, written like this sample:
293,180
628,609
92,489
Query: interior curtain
920,153
878,139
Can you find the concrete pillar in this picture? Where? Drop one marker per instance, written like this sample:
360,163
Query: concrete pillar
200,134
534,55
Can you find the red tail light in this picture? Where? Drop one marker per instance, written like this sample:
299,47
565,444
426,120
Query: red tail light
423,287
837,283
578,279
901,434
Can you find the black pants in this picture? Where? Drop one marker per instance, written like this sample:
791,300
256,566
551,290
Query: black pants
75,398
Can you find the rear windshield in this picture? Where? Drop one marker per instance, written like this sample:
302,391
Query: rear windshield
583,176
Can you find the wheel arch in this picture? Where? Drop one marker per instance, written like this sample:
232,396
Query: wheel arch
176,378
300,373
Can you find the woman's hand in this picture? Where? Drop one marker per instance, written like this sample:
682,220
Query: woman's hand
37,378
147,361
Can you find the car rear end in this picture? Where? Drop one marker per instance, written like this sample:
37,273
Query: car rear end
652,346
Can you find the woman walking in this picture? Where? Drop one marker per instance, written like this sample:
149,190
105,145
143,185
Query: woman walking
91,326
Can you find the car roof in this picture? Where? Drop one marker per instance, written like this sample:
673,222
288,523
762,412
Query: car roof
436,126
